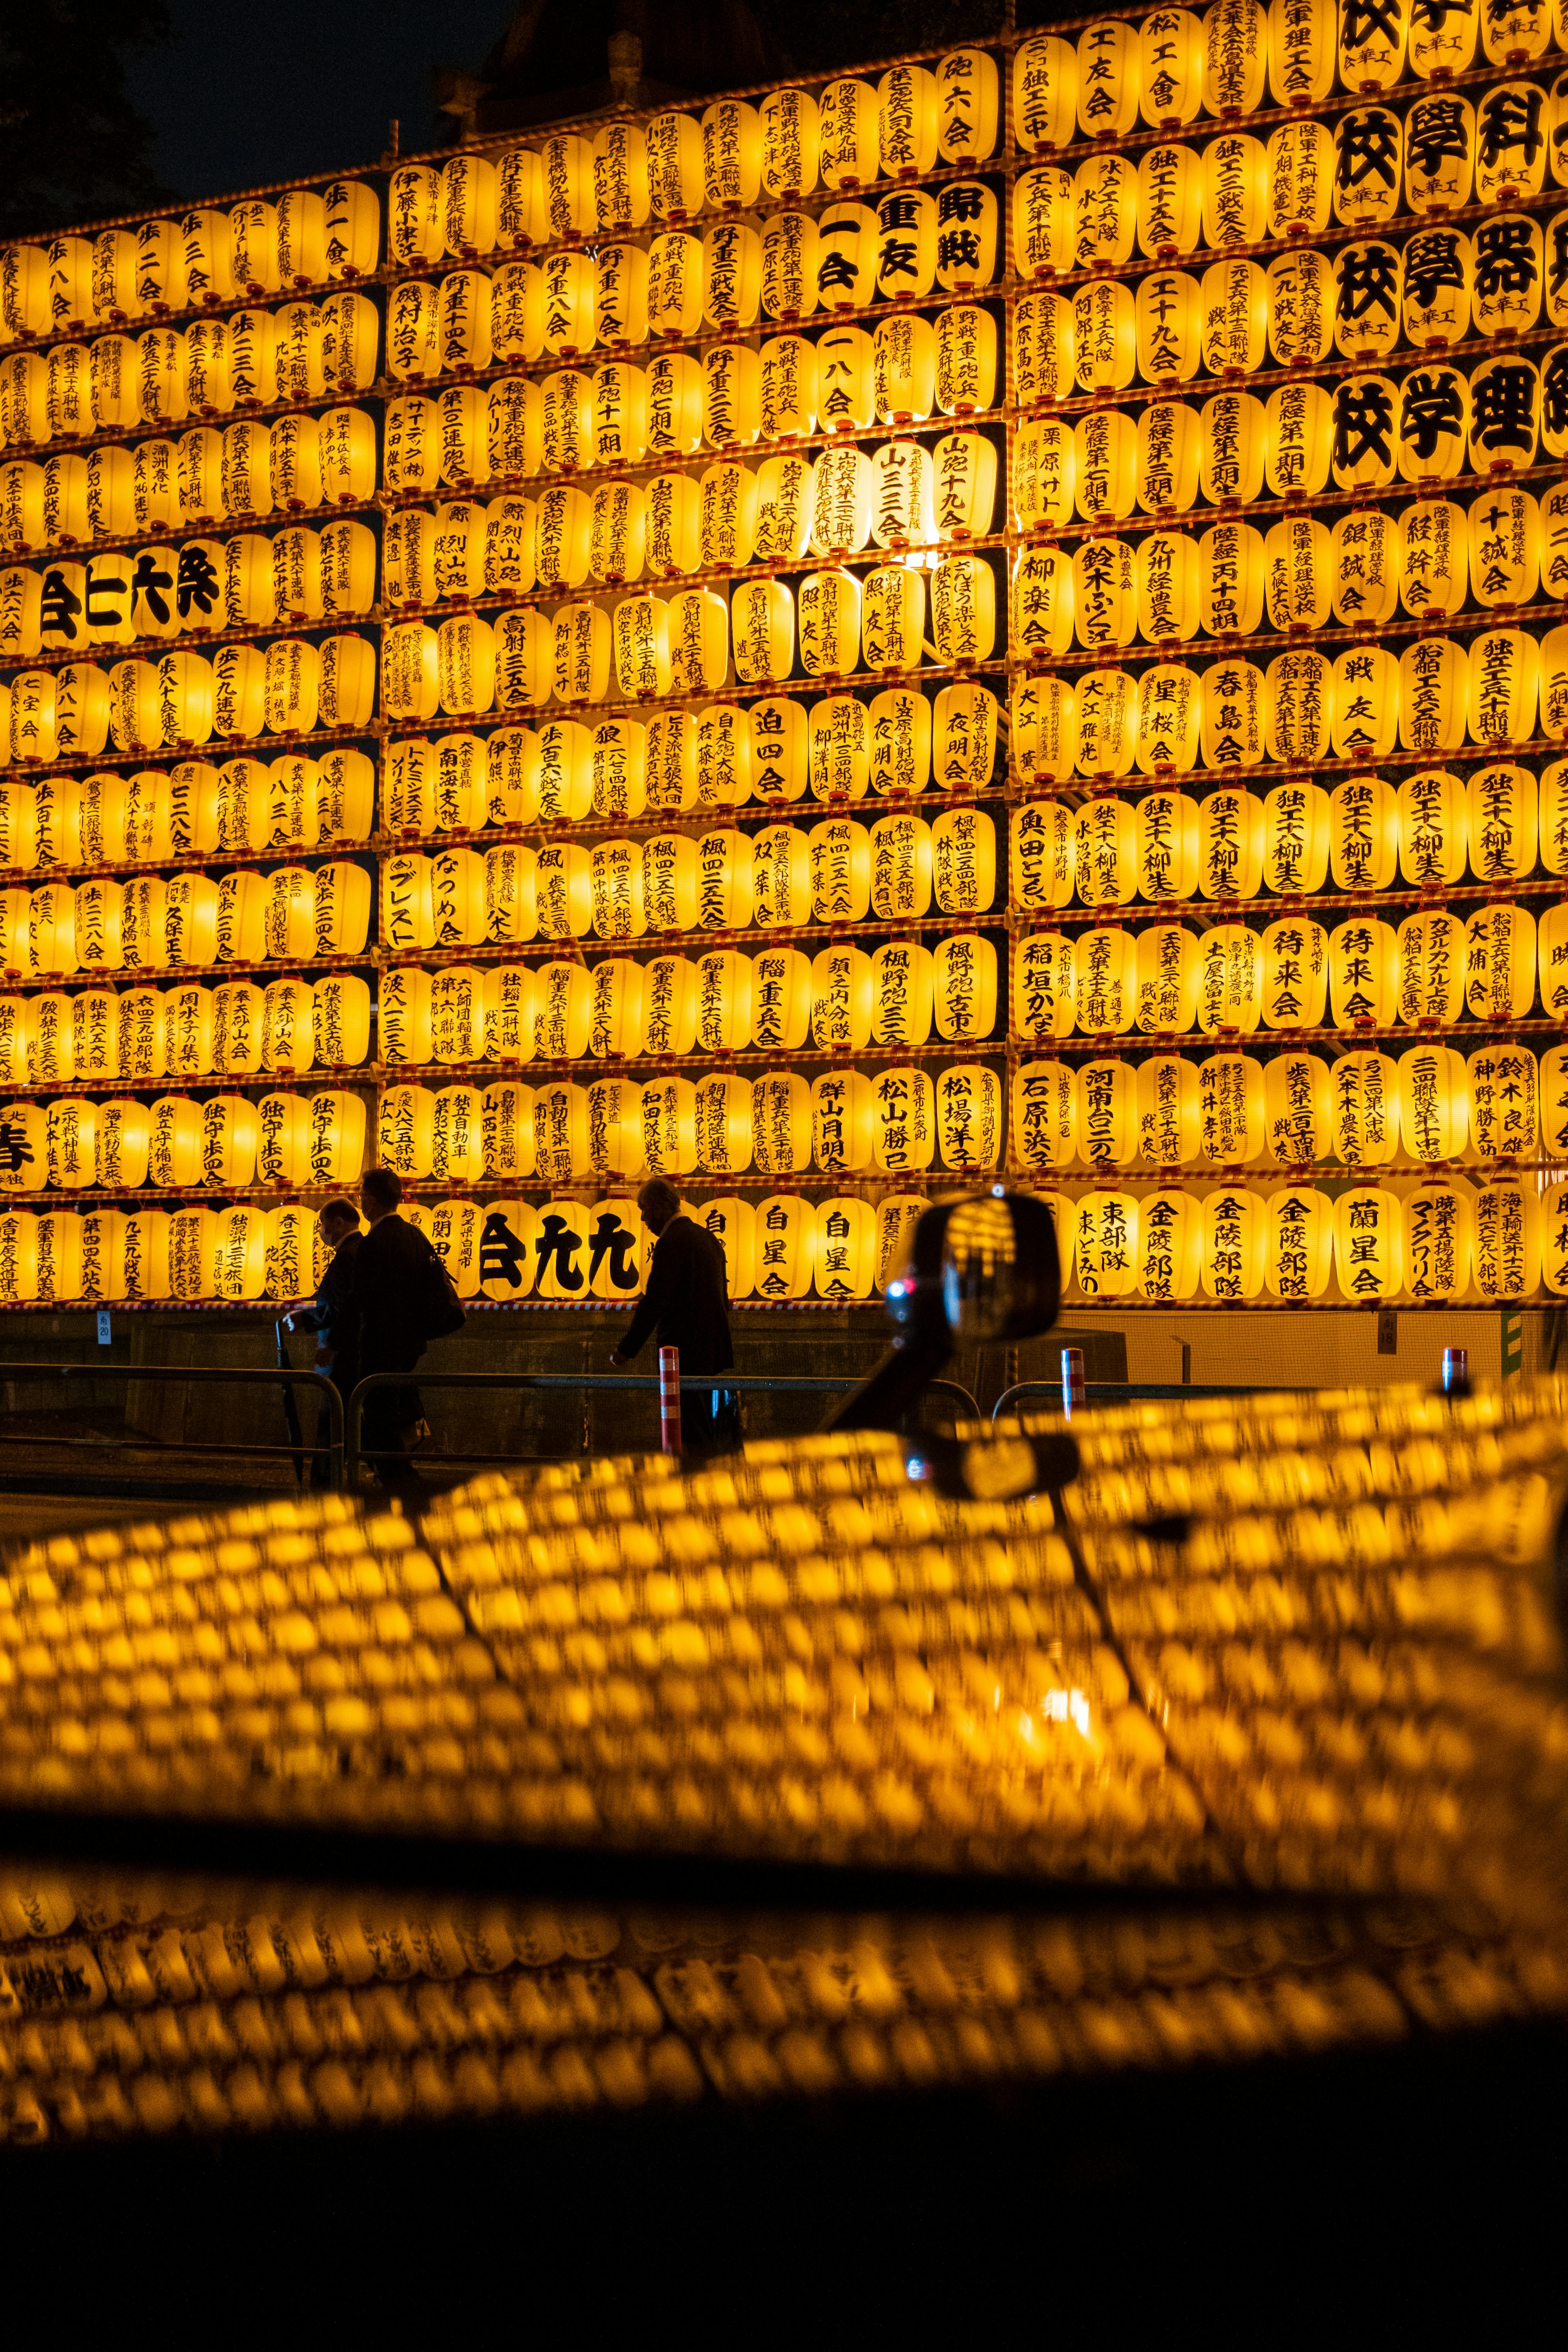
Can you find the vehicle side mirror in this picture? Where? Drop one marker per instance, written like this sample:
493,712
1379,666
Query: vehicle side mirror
981,1269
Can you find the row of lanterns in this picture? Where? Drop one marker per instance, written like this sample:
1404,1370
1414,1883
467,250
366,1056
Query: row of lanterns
148,924
1307,181
1439,1244
1235,452
139,1035
175,1143
1428,699
914,119
1164,67
1109,591
724,1002
564,1249
470,665
899,1120
194,809
1365,835
911,246
203,587
205,260
1240,318
1165,980
289,688
1434,1106
716,757
244,472
165,375
721,520
619,414
779,878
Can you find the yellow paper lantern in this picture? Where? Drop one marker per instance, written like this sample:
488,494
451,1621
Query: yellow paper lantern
1500,963
1434,1101
1044,1115
1106,1114
901,995
1045,986
725,1002
841,999
1431,951
506,1129
563,891
1503,822
1235,1244
900,867
560,1142
237,1007
121,1144
406,1130
731,155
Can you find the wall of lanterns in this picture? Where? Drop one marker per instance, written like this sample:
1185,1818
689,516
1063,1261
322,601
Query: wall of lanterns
997,616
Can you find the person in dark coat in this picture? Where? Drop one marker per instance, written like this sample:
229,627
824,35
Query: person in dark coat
387,1288
335,1319
686,1301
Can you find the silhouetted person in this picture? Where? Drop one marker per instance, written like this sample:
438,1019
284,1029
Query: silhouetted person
389,1283
335,1319
687,1300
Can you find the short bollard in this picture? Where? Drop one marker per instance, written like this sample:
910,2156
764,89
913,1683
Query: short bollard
1455,1371
669,1398
1072,1380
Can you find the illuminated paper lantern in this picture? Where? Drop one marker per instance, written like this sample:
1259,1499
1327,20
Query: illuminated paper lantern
175,1143
672,519
781,1124
791,267
1230,844
901,868
725,1002
1045,92
1369,1244
1106,1114
1365,585
1503,826
1364,701
847,238
842,1113
616,529
900,722
1167,980
1235,1244
902,993
1106,982
785,1247
1232,1110
237,1008
1105,337
1297,1109
904,372
1503,1084
1296,828
781,1000
963,984
1230,981
342,1018
722,758
1430,968
1298,1254
838,748
971,1126
841,999
1363,973
1295,973
1504,676
406,1132
289,1025
732,155
1044,1115
1500,963
1438,1239
1366,1110
967,106
903,1122
1435,1102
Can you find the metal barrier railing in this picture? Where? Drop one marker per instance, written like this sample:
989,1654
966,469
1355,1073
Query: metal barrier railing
1119,1392
281,1376
354,1452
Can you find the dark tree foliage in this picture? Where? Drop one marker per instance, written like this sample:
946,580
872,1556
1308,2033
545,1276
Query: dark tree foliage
72,147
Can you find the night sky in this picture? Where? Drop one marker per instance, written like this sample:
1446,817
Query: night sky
246,95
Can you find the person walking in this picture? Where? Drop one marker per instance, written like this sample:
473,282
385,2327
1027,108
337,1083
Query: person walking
399,1311
335,1319
687,1300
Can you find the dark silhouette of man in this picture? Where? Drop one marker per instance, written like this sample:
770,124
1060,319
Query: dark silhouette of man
388,1286
686,1301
